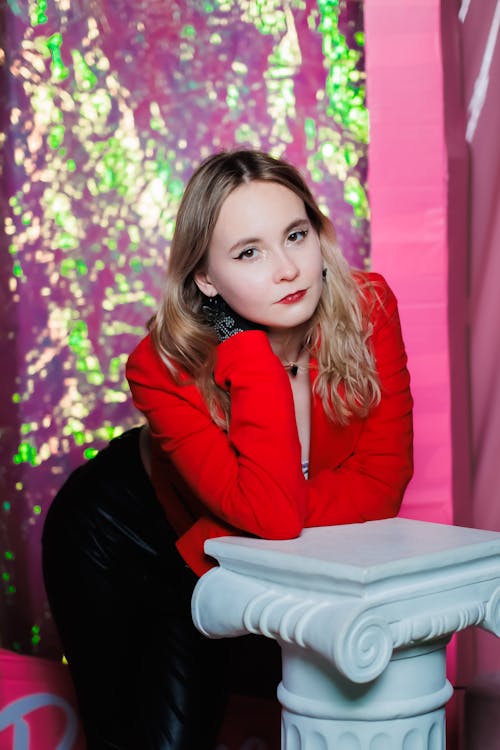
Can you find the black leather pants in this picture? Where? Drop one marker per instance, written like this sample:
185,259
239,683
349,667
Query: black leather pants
120,596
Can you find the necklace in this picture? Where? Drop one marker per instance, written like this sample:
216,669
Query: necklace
294,367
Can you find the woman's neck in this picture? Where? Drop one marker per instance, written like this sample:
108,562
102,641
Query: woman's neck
288,345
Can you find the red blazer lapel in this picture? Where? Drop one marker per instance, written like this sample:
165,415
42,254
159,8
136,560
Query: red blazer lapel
330,443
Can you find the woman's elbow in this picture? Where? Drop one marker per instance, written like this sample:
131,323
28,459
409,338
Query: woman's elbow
393,505
286,527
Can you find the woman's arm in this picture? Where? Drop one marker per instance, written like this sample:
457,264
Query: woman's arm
251,477
370,483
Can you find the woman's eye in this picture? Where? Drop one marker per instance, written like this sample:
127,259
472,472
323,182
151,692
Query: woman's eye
248,252
298,235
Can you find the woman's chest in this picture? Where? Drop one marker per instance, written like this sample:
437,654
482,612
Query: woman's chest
324,442
302,402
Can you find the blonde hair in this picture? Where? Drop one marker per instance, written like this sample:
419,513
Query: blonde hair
339,330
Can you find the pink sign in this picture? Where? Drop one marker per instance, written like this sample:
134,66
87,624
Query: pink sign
37,705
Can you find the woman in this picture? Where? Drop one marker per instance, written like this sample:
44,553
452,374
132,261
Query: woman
274,385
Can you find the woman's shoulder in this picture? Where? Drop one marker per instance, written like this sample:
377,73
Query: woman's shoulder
145,362
376,295
371,280
144,352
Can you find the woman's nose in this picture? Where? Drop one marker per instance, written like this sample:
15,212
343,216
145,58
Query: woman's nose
286,269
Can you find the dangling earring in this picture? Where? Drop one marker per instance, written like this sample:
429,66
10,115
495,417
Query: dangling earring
213,300
323,273
210,307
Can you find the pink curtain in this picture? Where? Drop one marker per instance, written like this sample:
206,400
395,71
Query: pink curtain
481,53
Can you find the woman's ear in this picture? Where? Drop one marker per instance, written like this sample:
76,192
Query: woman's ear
202,281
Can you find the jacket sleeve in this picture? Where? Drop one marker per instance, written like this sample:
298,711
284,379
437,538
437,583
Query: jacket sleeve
369,484
250,477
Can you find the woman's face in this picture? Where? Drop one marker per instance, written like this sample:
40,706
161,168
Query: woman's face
264,258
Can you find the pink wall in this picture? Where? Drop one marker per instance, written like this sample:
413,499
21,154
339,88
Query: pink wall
408,194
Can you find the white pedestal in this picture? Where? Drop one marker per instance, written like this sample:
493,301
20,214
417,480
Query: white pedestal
363,614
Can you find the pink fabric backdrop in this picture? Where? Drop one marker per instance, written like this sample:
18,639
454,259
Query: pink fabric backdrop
481,45
106,108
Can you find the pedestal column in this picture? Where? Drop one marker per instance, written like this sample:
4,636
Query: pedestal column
403,708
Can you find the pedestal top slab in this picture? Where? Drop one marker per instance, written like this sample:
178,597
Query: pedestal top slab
354,594
361,553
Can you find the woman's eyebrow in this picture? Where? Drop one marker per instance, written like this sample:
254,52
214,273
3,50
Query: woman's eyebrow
295,223
247,241
250,240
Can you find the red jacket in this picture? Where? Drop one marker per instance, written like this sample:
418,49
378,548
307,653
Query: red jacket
212,483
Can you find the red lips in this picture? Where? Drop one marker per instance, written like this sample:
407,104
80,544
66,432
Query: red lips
290,299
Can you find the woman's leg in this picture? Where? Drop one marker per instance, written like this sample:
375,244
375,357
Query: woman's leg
120,595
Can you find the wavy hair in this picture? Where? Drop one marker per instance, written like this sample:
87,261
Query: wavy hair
339,330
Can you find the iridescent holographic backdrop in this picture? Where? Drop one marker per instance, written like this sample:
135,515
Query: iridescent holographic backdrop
107,105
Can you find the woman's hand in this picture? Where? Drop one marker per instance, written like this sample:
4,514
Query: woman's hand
224,320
